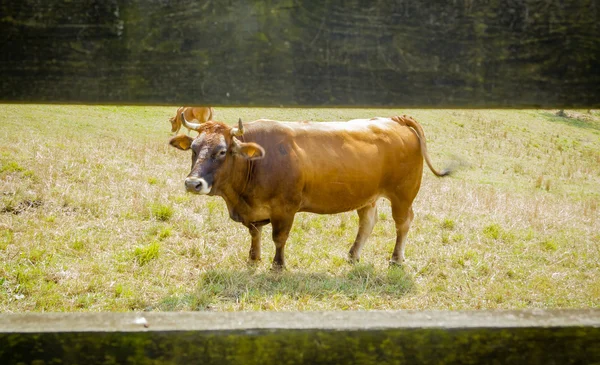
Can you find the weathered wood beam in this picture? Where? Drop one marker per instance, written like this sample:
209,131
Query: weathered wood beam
497,53
374,337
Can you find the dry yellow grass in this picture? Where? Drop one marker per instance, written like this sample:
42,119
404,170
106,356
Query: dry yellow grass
93,216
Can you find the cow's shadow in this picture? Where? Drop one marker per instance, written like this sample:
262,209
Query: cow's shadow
256,289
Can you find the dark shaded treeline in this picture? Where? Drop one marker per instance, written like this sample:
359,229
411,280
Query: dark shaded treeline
496,53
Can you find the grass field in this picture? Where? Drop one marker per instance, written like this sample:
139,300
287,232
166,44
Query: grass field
94,217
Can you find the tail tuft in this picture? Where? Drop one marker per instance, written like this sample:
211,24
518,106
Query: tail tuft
446,172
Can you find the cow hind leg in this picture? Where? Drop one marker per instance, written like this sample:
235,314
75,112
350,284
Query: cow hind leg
367,217
403,216
281,232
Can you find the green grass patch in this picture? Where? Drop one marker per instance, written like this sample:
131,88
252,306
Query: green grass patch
549,245
492,231
78,245
165,233
161,212
145,254
6,238
448,224
11,167
161,232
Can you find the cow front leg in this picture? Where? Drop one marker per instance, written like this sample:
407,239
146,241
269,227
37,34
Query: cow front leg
281,232
255,233
367,217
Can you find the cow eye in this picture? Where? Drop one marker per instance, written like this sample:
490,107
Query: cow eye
218,155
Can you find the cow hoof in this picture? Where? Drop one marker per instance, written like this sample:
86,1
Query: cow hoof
394,263
253,262
353,260
277,268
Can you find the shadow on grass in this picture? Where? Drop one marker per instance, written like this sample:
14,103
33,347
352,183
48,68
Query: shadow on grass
256,289
573,120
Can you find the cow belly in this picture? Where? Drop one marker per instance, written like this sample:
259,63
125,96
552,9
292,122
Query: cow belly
319,208
343,189
341,179
337,196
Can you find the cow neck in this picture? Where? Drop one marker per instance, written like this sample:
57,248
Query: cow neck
235,192
248,174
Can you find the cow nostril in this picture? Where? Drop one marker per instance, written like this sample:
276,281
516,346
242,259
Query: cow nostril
195,185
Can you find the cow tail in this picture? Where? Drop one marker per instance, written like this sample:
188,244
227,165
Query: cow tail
421,135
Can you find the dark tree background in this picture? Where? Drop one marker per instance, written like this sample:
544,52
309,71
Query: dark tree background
495,53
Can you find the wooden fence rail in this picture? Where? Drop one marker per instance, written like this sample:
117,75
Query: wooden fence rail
374,337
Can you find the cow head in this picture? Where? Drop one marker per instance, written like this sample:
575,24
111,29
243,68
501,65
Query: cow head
175,124
214,155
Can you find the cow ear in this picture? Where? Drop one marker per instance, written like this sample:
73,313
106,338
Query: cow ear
248,150
181,142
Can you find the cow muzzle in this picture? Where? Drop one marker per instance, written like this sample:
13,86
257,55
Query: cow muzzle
197,185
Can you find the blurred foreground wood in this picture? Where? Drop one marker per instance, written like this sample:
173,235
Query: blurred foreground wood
495,53
375,337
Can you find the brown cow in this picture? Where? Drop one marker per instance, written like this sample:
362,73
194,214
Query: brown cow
275,169
200,113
